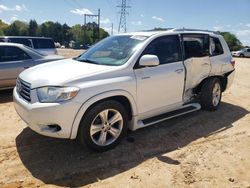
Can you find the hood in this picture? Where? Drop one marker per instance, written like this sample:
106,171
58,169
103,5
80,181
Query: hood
60,72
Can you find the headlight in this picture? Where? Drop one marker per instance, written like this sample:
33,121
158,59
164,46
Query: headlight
56,94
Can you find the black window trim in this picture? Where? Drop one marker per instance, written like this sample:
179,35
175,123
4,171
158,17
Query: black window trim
137,66
186,34
220,45
29,57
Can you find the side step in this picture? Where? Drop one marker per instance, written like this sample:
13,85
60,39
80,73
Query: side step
162,117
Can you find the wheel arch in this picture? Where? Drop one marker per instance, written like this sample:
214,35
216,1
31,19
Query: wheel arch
121,96
223,80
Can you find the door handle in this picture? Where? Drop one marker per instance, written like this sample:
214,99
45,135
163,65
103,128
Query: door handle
178,71
145,77
206,63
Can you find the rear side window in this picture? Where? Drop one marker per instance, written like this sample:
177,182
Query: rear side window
43,43
23,41
12,53
215,47
248,50
196,45
166,48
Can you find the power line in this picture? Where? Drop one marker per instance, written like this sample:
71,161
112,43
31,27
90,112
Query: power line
123,13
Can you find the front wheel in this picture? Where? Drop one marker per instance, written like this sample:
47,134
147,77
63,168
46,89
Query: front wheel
103,126
211,94
241,55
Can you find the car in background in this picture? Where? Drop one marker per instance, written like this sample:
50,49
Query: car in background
14,58
43,45
245,52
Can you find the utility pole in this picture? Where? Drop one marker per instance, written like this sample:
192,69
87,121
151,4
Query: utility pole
123,13
98,16
112,29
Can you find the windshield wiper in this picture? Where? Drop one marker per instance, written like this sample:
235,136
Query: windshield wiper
86,60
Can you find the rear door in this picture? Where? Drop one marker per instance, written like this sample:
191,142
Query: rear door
13,61
196,60
248,52
161,86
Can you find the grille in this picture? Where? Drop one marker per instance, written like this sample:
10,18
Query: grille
23,89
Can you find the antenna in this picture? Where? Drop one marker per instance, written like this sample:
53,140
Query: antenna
122,24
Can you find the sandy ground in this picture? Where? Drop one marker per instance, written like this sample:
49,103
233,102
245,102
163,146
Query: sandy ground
202,149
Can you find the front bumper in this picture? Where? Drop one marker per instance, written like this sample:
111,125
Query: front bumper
39,116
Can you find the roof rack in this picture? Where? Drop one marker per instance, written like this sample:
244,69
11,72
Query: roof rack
187,29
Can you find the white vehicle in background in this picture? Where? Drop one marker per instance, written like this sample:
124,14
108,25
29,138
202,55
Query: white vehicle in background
44,45
245,52
127,81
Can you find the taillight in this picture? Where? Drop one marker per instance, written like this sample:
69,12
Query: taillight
232,63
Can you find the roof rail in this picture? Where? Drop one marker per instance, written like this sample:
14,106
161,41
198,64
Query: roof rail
187,29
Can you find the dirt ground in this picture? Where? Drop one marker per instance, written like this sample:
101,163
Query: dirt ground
202,149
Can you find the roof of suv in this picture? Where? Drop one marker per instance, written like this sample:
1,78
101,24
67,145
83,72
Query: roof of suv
175,31
11,44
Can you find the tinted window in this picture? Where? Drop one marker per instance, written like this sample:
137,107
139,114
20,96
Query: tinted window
11,53
23,41
43,43
215,47
248,50
196,45
166,48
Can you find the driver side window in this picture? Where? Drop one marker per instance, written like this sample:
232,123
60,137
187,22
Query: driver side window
166,48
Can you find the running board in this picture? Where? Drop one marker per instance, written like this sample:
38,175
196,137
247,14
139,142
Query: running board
162,117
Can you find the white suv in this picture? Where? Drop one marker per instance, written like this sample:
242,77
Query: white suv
245,52
127,81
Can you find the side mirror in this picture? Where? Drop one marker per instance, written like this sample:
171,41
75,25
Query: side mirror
149,61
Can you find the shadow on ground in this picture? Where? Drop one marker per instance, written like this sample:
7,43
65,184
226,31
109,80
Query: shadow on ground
65,163
6,96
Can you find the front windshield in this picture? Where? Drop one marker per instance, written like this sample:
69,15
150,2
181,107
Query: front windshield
115,50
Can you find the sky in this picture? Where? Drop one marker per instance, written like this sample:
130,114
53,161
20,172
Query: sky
222,15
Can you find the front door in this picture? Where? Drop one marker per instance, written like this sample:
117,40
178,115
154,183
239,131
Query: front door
161,86
13,61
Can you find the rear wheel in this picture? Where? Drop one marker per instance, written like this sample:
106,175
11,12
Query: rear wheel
241,55
211,94
103,126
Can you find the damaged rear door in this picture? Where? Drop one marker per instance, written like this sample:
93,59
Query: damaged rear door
196,61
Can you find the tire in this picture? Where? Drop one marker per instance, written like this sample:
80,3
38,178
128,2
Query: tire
242,55
96,129
211,94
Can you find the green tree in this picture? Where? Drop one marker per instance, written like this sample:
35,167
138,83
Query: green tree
232,41
33,27
17,28
3,27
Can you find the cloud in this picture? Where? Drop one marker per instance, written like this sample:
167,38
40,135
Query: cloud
142,15
105,21
217,28
4,21
158,19
81,11
21,8
14,18
3,8
16,8
137,23
243,33
109,30
248,25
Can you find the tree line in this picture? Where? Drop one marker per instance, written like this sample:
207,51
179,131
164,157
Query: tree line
62,33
